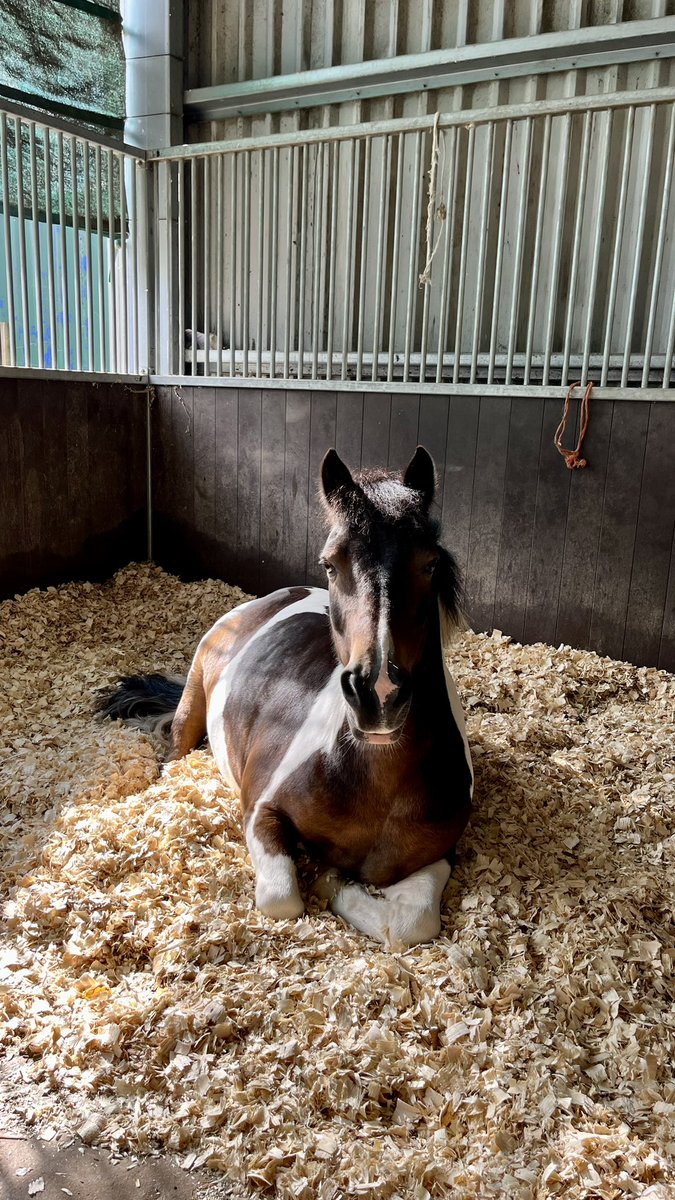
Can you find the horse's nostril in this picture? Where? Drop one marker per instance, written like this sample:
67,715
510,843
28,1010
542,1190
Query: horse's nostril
348,681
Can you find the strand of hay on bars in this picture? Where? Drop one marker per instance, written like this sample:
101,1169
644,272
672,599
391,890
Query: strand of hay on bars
526,1053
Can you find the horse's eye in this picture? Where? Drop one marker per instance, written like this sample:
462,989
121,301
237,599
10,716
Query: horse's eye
430,567
329,568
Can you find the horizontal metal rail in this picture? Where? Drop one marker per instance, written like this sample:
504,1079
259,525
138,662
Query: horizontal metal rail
565,50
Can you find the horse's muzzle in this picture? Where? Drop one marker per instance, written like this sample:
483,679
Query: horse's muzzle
371,720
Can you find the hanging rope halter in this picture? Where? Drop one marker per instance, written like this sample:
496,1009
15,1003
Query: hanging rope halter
572,457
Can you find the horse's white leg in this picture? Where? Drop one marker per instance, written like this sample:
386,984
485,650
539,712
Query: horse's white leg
405,914
276,890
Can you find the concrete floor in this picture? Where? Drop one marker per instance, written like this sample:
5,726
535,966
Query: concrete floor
69,1169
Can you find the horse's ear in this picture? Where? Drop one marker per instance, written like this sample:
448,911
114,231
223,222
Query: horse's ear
335,475
420,474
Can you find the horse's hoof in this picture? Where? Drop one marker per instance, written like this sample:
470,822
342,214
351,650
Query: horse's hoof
280,908
327,885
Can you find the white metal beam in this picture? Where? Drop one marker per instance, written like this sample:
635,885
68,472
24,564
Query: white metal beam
574,49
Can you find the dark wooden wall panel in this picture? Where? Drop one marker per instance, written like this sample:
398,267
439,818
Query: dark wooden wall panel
586,557
72,481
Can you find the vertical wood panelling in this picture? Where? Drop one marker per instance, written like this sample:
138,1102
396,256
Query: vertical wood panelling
296,485
460,462
653,542
204,458
72,481
273,436
582,530
517,516
584,557
548,535
486,509
623,482
323,435
248,488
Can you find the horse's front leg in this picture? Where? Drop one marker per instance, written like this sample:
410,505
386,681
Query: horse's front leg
404,914
276,890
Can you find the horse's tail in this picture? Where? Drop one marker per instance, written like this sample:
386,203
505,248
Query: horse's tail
147,702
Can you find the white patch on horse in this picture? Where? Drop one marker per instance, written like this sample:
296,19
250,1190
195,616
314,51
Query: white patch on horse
458,715
319,732
276,892
315,602
405,914
383,685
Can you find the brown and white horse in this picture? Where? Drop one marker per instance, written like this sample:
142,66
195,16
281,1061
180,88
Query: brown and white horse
333,714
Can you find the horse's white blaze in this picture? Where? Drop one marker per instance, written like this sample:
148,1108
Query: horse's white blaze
458,714
315,602
276,892
383,685
405,914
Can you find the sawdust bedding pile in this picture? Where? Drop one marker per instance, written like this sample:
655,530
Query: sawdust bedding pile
526,1053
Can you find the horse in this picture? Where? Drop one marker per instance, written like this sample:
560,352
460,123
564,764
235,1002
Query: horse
333,714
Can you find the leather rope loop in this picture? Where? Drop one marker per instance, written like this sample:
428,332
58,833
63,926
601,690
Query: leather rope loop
572,457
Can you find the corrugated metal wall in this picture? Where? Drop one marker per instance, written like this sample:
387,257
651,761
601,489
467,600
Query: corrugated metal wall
490,186
230,41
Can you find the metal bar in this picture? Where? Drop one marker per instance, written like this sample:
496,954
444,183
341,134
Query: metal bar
660,245
290,258
124,225
563,158
102,325
206,262
365,213
167,298
413,256
536,254
576,246
273,255
64,254
618,236
7,227
445,388
482,248
113,282
331,266
72,148
37,254
447,257
459,322
51,291
670,348
233,260
348,259
89,279
396,251
599,203
193,262
302,267
639,239
573,49
23,267
381,238
135,246
518,252
318,237
157,256
246,259
55,125
261,269
220,249
499,254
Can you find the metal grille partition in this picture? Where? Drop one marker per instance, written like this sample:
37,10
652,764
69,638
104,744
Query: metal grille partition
73,250
525,246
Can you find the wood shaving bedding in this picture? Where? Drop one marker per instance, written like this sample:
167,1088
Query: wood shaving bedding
526,1053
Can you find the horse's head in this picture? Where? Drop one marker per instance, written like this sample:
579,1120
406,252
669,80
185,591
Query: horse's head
387,578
